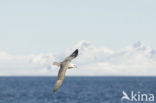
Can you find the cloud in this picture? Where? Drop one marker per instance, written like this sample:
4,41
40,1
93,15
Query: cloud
137,59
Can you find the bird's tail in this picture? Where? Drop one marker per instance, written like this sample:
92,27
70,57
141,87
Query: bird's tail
56,63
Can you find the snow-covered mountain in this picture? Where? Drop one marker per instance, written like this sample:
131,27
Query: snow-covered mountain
135,59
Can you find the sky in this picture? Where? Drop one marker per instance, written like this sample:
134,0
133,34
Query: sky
34,33
42,26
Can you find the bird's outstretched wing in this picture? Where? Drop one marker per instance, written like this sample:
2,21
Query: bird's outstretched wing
60,78
72,56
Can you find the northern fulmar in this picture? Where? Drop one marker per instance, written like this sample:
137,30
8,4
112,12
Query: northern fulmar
64,65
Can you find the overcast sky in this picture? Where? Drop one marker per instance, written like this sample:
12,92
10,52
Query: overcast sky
41,26
35,33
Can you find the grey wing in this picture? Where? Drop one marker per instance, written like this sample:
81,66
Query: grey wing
72,56
60,78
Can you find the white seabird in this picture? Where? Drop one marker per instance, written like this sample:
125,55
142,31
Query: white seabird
64,65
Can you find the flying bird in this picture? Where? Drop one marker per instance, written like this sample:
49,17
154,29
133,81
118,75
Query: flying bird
64,65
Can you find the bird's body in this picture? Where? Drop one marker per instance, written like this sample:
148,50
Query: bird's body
64,65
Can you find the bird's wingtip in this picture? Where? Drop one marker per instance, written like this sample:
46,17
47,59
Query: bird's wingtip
54,90
77,50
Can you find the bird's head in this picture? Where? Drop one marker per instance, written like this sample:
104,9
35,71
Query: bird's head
74,66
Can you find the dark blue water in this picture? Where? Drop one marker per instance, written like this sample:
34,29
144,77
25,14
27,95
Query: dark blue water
74,89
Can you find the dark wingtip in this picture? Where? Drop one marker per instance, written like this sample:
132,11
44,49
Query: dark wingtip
76,51
54,90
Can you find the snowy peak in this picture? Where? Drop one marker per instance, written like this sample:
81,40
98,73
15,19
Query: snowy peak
138,47
139,44
83,45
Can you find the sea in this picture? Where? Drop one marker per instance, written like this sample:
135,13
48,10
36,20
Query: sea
76,89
